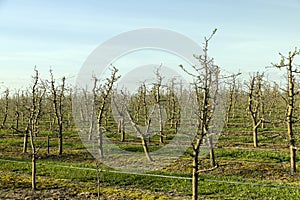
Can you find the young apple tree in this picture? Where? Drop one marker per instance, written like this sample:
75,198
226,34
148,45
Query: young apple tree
105,92
292,70
5,109
206,88
158,100
255,104
57,102
37,94
232,97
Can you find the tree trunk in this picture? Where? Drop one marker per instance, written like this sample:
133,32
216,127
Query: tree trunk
293,158
255,138
146,150
60,139
100,141
123,136
290,113
33,172
121,129
92,125
98,179
229,110
33,157
161,136
291,141
195,178
5,109
48,144
25,143
211,152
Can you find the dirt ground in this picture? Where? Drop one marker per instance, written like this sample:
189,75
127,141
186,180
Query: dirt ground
53,194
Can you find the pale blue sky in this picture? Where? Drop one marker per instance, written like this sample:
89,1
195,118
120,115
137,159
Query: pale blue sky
61,34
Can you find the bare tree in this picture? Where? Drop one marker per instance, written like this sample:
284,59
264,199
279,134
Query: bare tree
215,73
92,114
205,77
139,105
5,108
158,100
232,97
105,91
17,109
254,104
32,128
84,105
142,98
292,70
272,98
121,122
173,107
57,100
34,109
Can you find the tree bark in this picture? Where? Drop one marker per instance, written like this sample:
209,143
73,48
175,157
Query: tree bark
291,105
57,101
211,151
255,138
293,159
60,138
48,144
146,149
195,175
33,172
25,143
100,141
5,109
161,136
291,96
121,129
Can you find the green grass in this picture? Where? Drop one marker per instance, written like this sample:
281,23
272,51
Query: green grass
255,156
207,189
236,165
11,142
